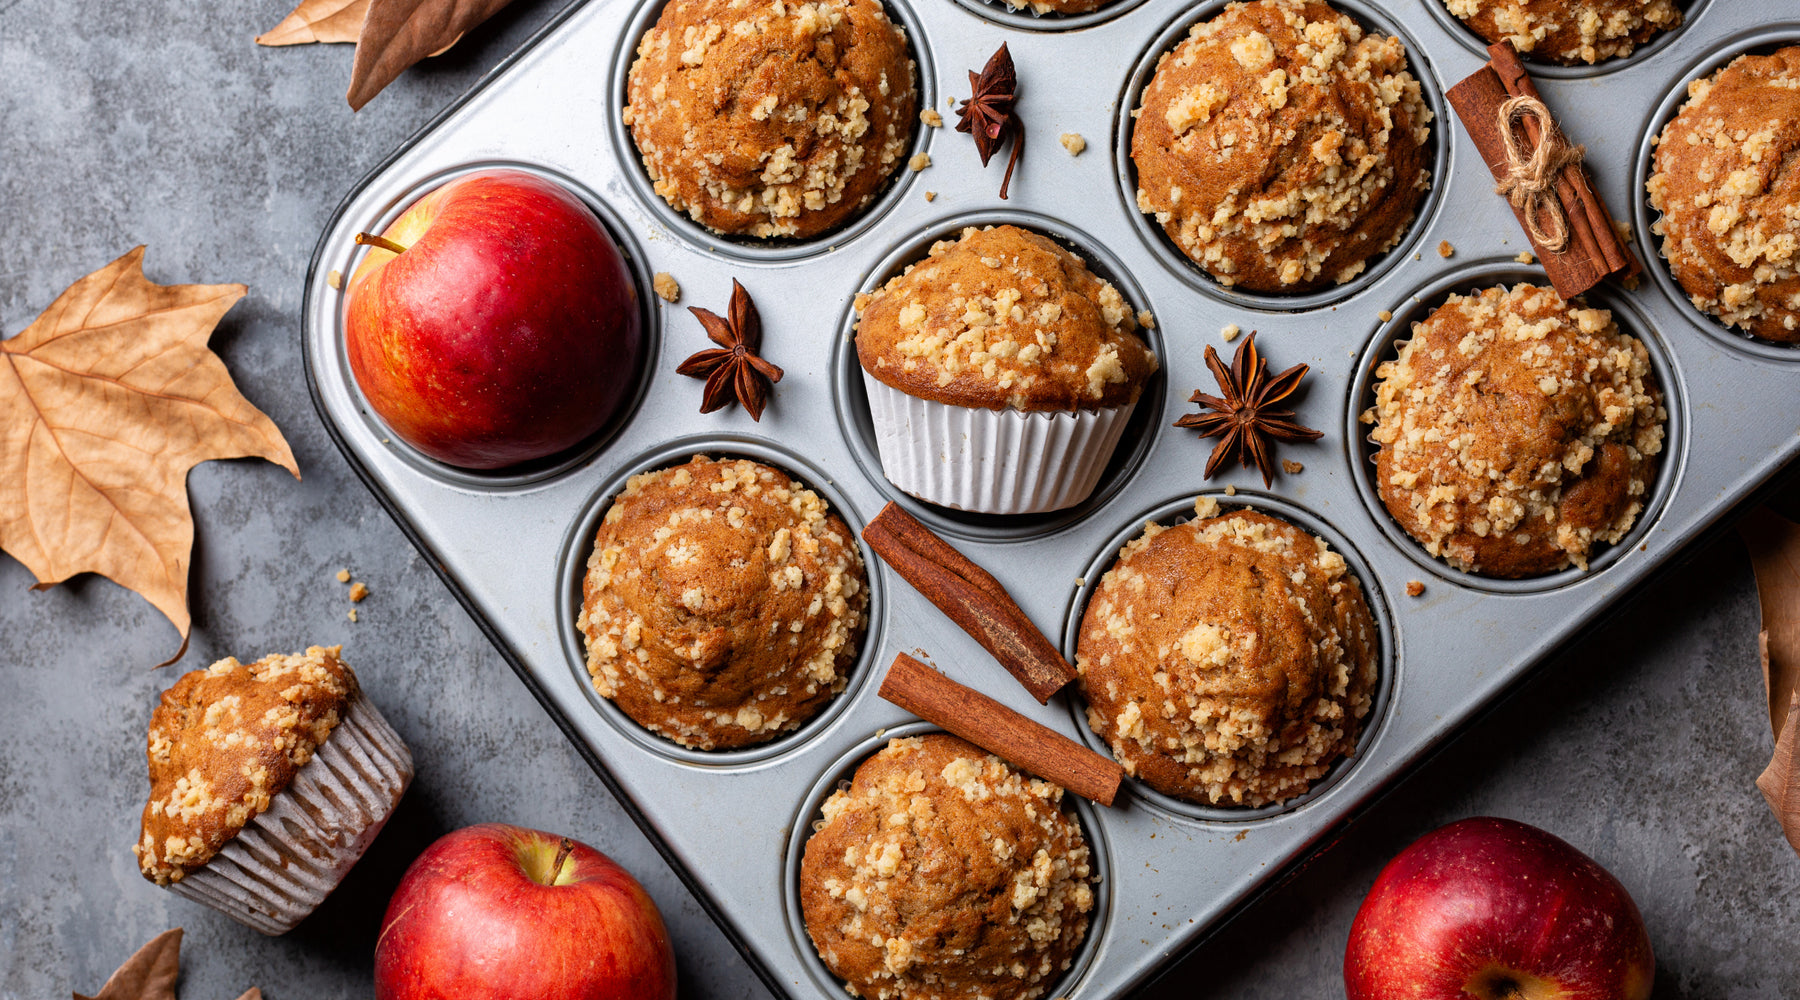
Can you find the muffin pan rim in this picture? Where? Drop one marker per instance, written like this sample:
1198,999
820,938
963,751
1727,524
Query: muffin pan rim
751,250
1717,55
1164,251
1382,346
850,400
837,773
1180,510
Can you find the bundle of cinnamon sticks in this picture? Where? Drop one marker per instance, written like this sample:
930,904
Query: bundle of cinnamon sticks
1594,247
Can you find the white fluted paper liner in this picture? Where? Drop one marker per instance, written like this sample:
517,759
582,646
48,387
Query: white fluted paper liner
991,461
285,861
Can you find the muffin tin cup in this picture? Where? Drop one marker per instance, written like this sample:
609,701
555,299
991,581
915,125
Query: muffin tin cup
1754,41
579,544
1652,49
528,473
751,249
1179,264
1180,511
288,858
1384,347
961,497
514,550
838,775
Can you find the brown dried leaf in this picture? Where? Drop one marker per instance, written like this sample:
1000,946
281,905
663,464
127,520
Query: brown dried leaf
106,401
398,33
147,975
1774,544
318,21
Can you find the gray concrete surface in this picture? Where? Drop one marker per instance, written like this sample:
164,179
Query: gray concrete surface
159,122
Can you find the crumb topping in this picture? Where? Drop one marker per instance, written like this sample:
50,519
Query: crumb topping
1518,432
1228,660
941,873
723,603
1003,317
769,117
1568,31
223,741
1281,147
1726,179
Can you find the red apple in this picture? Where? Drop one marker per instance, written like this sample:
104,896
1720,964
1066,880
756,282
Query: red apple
497,912
506,327
1497,910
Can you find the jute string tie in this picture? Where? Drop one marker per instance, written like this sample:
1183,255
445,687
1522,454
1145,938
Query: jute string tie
1530,182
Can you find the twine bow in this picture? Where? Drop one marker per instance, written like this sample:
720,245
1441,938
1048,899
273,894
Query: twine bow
1530,183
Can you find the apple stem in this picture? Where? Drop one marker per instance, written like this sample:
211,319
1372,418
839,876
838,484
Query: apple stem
369,240
562,855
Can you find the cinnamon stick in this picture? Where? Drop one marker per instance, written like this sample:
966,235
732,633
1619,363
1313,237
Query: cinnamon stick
1001,731
971,597
1595,250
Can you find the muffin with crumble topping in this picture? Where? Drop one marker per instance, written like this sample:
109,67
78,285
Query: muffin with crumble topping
771,119
1229,660
723,604
1569,31
941,873
1281,146
1725,183
1001,372
268,780
1519,432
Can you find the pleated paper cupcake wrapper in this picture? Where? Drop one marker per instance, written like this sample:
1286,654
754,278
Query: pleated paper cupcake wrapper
991,461
284,862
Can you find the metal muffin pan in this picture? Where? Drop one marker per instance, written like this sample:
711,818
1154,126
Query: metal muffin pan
512,547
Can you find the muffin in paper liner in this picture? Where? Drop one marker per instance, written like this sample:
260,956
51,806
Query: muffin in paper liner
992,461
283,864
1000,372
268,781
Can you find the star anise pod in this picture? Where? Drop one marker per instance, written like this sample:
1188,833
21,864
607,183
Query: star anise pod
732,371
1245,418
988,113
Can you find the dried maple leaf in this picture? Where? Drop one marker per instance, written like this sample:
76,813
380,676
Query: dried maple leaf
1245,418
106,401
318,21
988,114
1774,544
398,33
733,372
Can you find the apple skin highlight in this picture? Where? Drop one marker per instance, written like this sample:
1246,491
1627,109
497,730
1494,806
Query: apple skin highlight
509,330
472,920
1495,909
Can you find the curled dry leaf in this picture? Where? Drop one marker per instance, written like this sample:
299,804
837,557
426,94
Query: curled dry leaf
147,975
318,21
106,401
1774,544
398,33
150,973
